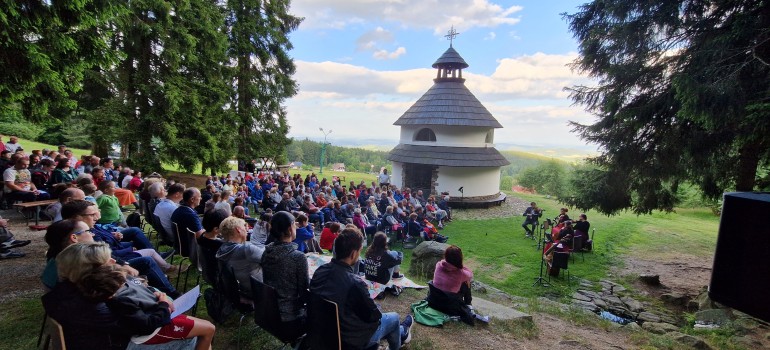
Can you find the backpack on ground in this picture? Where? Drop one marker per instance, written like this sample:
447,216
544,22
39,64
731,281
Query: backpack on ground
217,305
134,220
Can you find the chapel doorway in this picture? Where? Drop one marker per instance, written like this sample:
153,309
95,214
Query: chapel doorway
420,177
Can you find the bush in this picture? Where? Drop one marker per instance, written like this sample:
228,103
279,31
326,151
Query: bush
21,129
506,183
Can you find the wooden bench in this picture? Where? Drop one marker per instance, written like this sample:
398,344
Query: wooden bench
36,205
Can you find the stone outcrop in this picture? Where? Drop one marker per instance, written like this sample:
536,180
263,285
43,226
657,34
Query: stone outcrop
425,256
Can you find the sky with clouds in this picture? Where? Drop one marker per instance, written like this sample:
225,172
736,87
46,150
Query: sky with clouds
362,63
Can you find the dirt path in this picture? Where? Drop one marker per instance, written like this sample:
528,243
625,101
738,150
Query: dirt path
21,276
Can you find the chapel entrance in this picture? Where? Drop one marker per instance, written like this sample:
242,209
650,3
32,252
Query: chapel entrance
419,177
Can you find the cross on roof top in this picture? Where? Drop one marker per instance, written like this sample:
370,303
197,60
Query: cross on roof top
451,34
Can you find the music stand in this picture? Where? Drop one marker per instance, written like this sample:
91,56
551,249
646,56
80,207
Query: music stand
539,280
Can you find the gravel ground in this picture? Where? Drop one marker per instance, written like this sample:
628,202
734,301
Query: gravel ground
21,276
513,206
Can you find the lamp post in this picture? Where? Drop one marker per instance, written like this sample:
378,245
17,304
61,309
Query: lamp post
323,149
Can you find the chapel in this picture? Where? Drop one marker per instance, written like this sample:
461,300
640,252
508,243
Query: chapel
447,141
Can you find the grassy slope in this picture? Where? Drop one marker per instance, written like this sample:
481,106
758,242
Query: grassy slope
30,145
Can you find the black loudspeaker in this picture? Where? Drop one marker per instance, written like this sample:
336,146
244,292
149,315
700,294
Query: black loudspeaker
740,278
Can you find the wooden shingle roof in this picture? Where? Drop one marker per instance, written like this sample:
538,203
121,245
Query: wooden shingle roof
450,58
448,103
448,156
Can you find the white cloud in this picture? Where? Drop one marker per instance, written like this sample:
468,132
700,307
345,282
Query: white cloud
408,13
524,93
385,55
490,36
373,39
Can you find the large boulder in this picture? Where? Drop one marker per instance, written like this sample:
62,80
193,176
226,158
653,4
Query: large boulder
424,258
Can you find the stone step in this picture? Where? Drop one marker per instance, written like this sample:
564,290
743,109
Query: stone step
497,311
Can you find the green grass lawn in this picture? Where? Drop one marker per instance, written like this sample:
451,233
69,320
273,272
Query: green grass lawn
30,145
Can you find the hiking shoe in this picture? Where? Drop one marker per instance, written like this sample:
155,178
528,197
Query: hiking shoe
484,319
407,324
14,243
397,275
395,290
11,254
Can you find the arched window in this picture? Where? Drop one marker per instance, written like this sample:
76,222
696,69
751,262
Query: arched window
490,137
425,134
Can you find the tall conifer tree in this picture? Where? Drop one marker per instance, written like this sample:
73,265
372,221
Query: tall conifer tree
682,95
259,45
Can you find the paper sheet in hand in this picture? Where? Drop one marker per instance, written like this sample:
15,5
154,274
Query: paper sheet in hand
186,301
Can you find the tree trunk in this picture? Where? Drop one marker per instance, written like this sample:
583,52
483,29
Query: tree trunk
748,161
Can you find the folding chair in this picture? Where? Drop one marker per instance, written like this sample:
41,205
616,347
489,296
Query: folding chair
324,325
267,315
162,237
53,337
561,261
178,248
577,247
230,286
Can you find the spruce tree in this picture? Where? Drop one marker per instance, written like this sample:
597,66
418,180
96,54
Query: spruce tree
262,76
681,95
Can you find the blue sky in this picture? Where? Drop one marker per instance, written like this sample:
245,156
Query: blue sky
361,64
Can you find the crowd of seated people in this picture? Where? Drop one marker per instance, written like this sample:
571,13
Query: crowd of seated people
92,194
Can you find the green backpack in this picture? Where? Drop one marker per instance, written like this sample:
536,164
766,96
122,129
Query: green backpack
428,316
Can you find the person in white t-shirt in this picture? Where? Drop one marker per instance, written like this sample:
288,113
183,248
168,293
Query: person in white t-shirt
384,178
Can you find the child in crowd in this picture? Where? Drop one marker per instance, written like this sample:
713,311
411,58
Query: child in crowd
304,234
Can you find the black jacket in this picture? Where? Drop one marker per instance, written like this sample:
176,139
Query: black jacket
359,316
138,310
87,325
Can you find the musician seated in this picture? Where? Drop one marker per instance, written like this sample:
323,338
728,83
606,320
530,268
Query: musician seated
562,215
581,228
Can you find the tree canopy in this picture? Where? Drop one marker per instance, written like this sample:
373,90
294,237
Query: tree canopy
681,96
179,81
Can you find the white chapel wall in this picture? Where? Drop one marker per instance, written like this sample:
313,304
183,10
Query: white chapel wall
451,136
477,182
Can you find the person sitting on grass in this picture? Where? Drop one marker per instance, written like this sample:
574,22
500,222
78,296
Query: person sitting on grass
453,281
382,264
108,204
142,312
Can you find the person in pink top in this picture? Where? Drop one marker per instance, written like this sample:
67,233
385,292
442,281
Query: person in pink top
454,280
451,276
